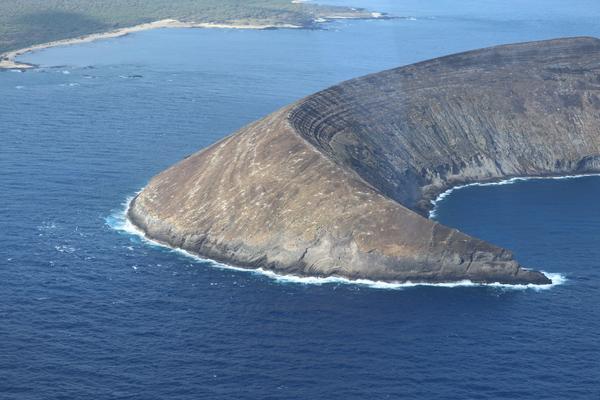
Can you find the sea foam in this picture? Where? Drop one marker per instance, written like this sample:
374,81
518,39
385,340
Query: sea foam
119,222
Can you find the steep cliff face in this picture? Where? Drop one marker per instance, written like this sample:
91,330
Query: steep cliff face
526,109
337,183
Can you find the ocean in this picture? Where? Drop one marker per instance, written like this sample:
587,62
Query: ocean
88,309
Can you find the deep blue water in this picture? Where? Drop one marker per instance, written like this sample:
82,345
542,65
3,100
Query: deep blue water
87,311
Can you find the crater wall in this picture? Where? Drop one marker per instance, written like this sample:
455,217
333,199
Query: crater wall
339,182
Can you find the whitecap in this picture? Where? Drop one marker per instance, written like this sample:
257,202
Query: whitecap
46,226
119,222
63,248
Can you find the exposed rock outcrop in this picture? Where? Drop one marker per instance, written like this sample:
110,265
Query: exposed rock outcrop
340,182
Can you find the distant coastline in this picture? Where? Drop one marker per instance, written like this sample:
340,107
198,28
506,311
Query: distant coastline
8,59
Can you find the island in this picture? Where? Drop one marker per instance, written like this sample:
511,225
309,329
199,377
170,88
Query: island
340,183
37,24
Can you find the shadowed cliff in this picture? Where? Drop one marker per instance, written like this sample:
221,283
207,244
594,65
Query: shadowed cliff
338,183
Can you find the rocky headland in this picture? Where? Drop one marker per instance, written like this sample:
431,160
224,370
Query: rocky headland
340,183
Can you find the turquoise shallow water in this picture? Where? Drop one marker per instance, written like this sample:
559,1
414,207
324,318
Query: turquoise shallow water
88,310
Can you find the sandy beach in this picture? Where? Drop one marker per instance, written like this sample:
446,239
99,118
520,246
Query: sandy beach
8,59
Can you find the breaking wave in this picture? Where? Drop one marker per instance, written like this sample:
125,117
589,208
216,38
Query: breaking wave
119,222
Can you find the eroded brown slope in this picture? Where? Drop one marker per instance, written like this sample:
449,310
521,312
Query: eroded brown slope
330,185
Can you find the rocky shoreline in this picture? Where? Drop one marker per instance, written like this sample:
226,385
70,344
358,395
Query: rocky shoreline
340,183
